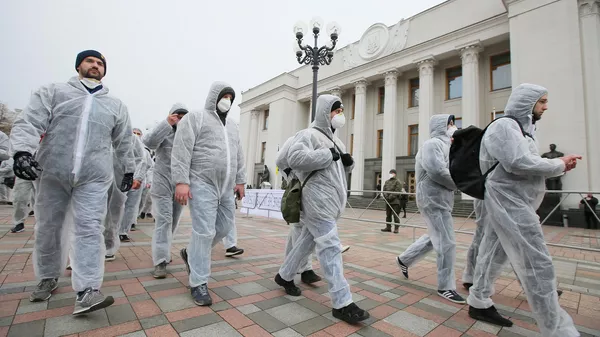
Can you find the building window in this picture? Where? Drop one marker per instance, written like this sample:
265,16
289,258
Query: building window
351,144
413,139
498,114
380,99
500,71
454,82
353,105
413,93
379,143
458,122
262,152
266,120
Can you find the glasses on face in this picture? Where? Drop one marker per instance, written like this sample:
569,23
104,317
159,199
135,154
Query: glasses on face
137,133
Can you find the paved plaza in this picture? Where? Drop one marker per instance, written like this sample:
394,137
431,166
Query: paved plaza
249,303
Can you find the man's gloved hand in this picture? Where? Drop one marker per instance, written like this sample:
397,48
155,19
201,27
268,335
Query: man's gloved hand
127,182
9,182
25,166
347,159
336,156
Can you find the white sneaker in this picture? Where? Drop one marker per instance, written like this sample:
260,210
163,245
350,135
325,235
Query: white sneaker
345,249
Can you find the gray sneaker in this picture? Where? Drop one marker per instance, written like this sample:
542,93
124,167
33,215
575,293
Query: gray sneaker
91,300
160,271
44,290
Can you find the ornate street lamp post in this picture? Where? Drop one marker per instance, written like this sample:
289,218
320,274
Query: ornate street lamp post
315,55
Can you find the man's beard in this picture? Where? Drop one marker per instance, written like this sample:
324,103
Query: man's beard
96,77
536,117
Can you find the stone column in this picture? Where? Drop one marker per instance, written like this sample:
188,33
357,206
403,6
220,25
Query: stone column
426,66
389,123
589,11
251,155
470,91
337,91
359,135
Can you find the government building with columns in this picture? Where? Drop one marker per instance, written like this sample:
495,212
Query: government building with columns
461,57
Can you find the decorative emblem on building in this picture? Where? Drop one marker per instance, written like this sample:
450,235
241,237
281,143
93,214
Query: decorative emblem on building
378,41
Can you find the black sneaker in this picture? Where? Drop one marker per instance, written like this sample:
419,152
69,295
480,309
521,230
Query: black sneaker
310,277
32,213
403,267
18,228
387,230
124,238
142,216
452,296
233,251
489,315
149,215
133,227
201,295
559,292
109,257
184,257
467,285
289,286
351,314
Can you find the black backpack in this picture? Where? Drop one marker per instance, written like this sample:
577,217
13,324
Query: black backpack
464,159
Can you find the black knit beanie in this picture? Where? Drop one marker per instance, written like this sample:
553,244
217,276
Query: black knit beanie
336,105
87,53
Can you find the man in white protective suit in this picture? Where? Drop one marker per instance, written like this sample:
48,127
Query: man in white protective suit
132,204
435,200
515,189
207,166
82,123
146,202
23,201
168,210
316,153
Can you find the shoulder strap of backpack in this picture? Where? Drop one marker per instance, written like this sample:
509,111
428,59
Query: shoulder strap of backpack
525,134
307,178
331,139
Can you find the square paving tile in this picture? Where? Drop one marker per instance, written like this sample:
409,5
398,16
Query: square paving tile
274,302
26,306
221,306
314,306
221,329
312,325
154,321
249,288
120,314
248,309
266,321
226,293
175,302
269,284
5,321
371,332
291,313
69,324
29,329
196,322
287,332
411,323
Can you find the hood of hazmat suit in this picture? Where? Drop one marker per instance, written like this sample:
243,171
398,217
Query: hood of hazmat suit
324,195
80,131
514,191
434,183
4,145
207,150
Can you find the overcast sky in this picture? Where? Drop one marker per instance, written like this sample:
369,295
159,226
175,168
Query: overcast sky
160,52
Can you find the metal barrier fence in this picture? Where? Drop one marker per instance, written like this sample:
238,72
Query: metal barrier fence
414,227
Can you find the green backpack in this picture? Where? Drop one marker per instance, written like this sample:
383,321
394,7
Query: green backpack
291,203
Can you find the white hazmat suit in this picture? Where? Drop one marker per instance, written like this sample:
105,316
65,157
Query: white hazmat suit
207,155
132,205
323,201
116,208
514,191
23,196
167,211
435,200
76,157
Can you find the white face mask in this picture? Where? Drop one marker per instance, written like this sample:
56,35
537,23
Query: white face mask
392,175
224,105
90,82
451,130
338,121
